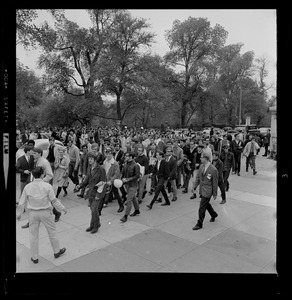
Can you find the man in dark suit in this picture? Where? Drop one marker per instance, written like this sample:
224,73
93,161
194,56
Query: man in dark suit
172,163
119,156
207,178
51,155
237,148
24,166
161,170
219,166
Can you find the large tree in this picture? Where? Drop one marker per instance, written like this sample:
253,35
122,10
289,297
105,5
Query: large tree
123,62
191,43
29,96
234,69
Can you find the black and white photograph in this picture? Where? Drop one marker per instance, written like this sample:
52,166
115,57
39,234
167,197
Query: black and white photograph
145,142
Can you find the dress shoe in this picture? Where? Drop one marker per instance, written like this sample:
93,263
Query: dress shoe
95,230
254,172
149,206
120,209
222,202
80,195
174,199
124,219
165,203
88,229
238,174
197,227
213,218
193,196
159,200
185,191
57,217
25,226
60,252
65,194
35,261
136,212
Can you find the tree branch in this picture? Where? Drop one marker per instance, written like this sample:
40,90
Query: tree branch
128,106
67,91
75,80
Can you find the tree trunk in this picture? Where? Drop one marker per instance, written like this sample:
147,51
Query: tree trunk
119,112
183,116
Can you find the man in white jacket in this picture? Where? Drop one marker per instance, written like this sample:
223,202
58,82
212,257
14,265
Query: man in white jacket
250,152
39,198
40,161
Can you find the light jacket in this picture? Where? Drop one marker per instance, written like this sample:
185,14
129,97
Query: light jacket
208,182
247,149
113,172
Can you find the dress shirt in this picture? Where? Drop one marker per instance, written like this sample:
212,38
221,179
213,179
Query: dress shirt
38,195
158,164
206,166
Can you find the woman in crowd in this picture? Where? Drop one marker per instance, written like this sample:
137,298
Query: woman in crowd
61,178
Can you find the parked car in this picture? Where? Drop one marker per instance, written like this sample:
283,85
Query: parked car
263,130
39,143
245,127
232,132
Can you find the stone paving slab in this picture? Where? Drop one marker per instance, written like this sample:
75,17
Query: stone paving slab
243,246
110,259
206,260
157,246
261,224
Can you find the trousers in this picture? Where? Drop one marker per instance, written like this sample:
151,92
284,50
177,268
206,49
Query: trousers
131,198
160,188
226,174
142,185
237,160
94,207
205,205
73,175
221,186
44,216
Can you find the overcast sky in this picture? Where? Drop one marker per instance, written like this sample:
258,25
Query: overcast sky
255,28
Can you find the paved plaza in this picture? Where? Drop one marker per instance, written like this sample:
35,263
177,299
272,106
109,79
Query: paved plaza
241,240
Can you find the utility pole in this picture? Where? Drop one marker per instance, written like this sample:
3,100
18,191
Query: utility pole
240,98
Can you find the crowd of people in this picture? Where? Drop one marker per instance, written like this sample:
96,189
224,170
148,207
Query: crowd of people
113,163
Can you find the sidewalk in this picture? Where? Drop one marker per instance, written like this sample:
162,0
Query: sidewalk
241,240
